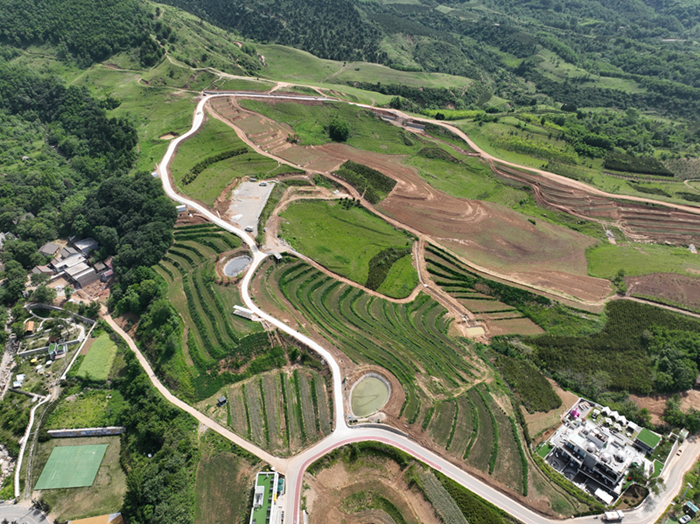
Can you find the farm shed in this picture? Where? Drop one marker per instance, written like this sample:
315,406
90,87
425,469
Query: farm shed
29,327
86,245
49,249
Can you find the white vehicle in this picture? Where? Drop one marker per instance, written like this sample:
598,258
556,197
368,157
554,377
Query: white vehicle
684,519
613,516
263,184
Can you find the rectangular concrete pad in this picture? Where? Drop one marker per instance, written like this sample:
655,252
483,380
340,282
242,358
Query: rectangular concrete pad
72,467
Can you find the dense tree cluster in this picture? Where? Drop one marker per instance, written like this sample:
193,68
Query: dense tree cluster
87,30
641,349
131,217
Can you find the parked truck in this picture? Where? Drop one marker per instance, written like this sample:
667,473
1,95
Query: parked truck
613,516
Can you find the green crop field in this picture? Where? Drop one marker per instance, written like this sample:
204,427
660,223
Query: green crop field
215,336
99,359
345,239
409,340
280,411
440,427
605,260
71,467
223,482
486,439
214,139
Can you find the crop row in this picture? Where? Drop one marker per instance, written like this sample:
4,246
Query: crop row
406,339
276,411
193,173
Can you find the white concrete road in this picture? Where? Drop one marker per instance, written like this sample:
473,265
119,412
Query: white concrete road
22,515
294,468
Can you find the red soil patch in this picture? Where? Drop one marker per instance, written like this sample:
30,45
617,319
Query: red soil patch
670,288
487,234
86,347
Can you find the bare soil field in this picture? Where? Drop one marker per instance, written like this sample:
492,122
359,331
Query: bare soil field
656,404
669,288
639,221
333,485
86,347
514,326
489,234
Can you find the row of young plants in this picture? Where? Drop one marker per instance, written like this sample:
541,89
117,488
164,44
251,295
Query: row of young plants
193,173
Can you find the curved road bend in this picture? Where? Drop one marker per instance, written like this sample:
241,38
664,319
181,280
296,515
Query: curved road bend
295,467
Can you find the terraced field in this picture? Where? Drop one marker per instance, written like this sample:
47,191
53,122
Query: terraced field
639,221
482,296
215,337
282,411
409,340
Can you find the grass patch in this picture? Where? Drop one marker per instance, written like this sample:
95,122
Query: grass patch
347,240
223,483
89,409
213,139
99,359
605,260
367,131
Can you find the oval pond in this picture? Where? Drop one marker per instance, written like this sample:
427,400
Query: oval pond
369,396
236,265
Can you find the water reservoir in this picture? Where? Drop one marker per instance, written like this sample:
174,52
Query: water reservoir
236,265
369,395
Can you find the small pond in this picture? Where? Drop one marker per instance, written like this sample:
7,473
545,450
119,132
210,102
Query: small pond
236,265
369,396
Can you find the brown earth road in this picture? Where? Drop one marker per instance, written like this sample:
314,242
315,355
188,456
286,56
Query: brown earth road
435,291
355,194
279,463
551,176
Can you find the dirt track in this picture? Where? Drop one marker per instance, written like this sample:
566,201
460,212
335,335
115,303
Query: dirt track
452,216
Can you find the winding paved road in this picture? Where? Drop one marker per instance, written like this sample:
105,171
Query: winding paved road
294,467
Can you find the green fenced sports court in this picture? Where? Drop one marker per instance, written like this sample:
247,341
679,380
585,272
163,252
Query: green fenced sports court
72,467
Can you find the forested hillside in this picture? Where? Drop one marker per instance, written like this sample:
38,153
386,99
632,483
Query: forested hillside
642,51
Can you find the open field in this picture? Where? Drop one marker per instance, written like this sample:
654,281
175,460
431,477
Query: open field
667,288
105,495
605,260
88,409
283,411
310,121
98,361
290,64
215,138
409,340
639,221
222,488
215,337
346,240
